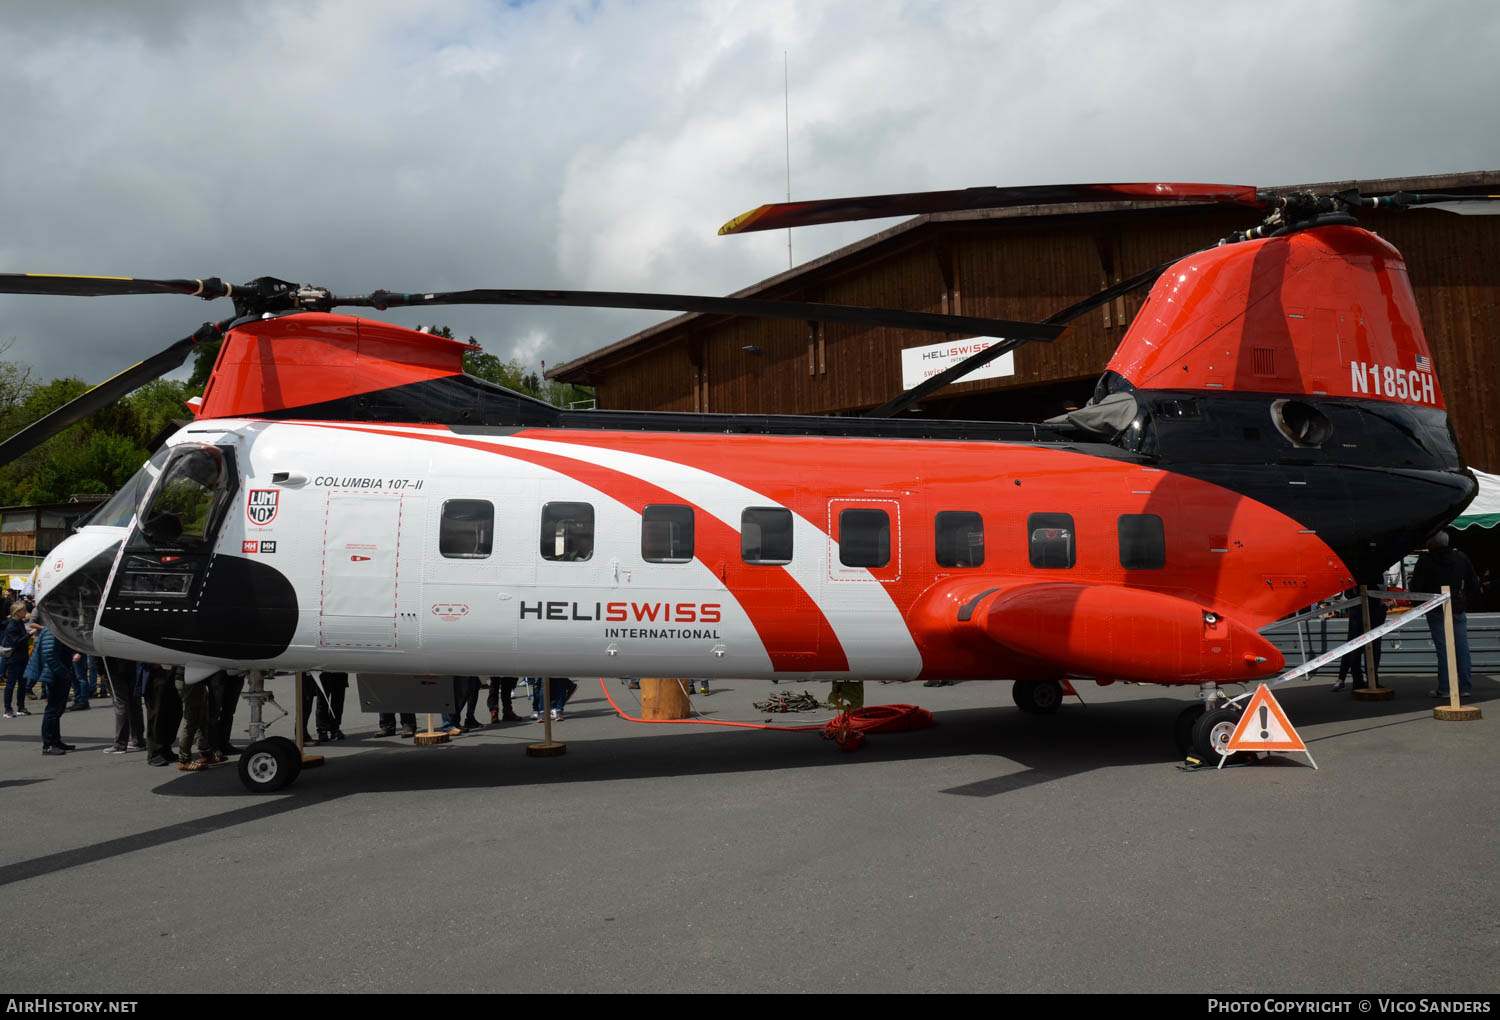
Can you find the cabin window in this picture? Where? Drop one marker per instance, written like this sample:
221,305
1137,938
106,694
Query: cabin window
667,534
960,538
467,529
567,531
864,538
1051,540
1143,543
766,535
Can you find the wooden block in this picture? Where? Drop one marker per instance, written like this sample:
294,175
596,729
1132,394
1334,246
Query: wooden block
665,699
546,749
1374,693
1463,713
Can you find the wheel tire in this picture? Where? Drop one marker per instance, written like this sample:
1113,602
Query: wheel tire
1211,732
269,765
1182,729
1039,697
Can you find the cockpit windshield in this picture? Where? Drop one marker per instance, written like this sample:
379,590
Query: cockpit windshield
121,507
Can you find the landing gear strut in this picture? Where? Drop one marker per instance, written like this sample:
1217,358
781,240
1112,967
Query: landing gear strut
269,763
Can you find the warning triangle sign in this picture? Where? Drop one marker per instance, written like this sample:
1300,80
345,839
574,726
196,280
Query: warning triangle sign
1264,727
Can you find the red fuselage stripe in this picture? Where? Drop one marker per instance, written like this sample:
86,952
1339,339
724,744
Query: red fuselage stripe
715,543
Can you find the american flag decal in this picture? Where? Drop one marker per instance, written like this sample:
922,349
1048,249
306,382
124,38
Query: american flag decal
1424,363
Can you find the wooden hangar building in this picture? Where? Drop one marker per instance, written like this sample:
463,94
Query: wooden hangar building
1027,263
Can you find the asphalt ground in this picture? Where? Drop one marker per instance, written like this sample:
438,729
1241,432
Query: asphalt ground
995,852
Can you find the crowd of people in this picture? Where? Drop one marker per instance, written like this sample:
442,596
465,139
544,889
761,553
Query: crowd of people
160,711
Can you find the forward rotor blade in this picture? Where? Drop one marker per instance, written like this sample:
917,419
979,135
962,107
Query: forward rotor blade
756,307
915,203
894,407
107,286
108,392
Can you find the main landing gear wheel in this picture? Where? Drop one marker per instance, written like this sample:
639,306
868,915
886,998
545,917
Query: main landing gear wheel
1182,729
1211,734
270,765
1040,697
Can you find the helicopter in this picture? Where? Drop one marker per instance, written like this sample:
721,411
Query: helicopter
347,498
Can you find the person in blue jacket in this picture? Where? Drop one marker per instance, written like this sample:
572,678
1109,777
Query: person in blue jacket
52,664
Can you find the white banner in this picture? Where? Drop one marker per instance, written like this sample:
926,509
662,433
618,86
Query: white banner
918,364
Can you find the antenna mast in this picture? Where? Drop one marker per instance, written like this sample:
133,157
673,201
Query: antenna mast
786,93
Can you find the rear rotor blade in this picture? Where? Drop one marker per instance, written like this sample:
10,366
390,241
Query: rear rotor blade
1471,205
915,203
757,307
106,286
108,392
951,375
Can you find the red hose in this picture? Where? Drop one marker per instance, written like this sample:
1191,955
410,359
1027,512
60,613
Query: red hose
848,730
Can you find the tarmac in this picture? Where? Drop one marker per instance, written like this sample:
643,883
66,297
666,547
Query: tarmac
994,852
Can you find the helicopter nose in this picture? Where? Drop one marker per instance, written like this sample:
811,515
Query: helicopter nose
70,585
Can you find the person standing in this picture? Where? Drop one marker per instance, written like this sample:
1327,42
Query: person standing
17,638
465,699
194,695
52,664
330,708
388,724
85,670
502,690
1442,565
1353,663
163,709
130,721
223,698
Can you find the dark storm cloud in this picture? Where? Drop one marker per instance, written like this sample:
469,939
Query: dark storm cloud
370,144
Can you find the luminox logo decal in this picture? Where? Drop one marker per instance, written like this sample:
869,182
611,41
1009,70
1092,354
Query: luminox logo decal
260,507
450,610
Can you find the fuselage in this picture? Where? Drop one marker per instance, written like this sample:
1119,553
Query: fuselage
430,549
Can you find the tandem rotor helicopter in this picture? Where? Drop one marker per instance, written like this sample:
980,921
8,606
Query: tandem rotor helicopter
348,498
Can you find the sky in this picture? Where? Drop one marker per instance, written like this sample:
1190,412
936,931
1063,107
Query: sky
420,146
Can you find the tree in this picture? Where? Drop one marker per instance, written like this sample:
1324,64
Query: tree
157,404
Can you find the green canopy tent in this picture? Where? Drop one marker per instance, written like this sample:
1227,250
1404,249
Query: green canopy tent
1484,512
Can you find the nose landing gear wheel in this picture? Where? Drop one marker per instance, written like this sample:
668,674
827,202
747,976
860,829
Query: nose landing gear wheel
1182,729
269,765
1040,697
1211,734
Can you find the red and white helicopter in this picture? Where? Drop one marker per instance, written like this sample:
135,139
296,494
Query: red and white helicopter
1269,429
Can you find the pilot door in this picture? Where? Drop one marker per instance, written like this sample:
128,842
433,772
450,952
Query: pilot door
178,587
361,570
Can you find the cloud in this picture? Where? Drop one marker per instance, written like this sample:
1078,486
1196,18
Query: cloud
579,145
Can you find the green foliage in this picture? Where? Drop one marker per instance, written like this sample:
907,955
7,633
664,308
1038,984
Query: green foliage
159,403
203,365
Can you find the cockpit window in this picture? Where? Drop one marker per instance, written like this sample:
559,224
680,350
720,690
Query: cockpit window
181,511
121,507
